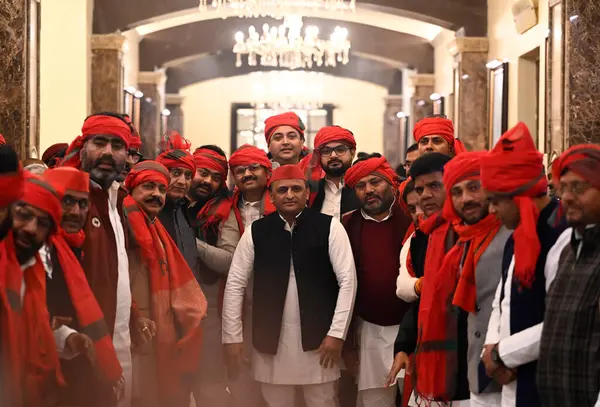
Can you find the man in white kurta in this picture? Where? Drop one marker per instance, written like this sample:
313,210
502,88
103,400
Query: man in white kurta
291,366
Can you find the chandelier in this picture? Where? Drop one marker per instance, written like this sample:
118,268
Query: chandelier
285,47
276,8
288,90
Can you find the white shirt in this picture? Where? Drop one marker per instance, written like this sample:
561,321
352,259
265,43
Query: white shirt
405,283
291,365
522,347
332,204
250,212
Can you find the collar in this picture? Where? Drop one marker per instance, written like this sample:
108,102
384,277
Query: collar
252,204
28,263
286,224
389,215
332,184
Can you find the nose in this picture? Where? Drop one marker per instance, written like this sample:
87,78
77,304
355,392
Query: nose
247,172
75,210
31,226
369,188
289,194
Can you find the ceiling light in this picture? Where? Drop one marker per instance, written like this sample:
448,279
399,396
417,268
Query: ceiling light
276,8
166,112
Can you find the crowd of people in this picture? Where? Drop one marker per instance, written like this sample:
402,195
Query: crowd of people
298,278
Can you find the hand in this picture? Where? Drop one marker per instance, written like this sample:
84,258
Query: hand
81,344
490,365
504,375
351,360
146,329
401,361
330,351
57,322
235,358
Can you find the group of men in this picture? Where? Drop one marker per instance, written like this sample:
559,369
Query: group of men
135,282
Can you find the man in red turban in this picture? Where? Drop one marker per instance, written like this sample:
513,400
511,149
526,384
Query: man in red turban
376,232
11,185
70,302
436,133
335,148
54,154
301,309
566,368
101,151
165,291
210,180
285,137
513,176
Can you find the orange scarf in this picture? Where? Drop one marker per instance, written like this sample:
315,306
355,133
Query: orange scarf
178,304
30,360
479,235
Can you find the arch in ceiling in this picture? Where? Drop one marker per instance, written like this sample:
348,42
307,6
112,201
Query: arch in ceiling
112,15
212,36
222,65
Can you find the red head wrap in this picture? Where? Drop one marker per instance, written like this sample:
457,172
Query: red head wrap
206,158
438,126
172,140
514,168
147,171
43,196
135,142
177,159
465,166
68,179
285,119
288,171
328,134
11,185
583,160
54,153
376,165
247,154
2,140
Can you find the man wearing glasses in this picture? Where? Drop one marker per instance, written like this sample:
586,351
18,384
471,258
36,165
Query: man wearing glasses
336,148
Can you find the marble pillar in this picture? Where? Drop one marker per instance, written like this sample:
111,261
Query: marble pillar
394,135
19,74
152,85
175,119
573,93
421,104
471,82
107,73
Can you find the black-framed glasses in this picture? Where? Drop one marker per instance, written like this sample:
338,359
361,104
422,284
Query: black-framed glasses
69,202
576,188
239,171
339,150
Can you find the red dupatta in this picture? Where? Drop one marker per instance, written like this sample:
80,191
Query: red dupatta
178,304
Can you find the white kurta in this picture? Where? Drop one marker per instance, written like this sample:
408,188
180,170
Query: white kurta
522,347
291,365
332,202
121,335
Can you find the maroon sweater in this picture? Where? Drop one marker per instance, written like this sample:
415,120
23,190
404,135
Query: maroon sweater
376,247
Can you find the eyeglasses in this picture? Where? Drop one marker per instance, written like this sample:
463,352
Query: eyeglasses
575,188
241,170
339,150
70,201
136,156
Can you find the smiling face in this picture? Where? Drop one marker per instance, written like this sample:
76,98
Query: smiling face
250,178
431,192
103,157
285,145
336,158
75,206
469,201
580,199
375,195
289,196
150,196
181,181
30,228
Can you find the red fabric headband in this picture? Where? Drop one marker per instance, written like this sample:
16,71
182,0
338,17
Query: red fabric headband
68,179
288,171
147,171
113,126
463,167
247,154
438,126
43,196
583,159
285,119
11,186
53,150
334,133
172,140
177,159
375,165
206,158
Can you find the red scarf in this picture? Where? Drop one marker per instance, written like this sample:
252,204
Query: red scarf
88,311
30,361
178,304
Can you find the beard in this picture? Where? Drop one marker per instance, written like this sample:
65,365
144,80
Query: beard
24,254
102,177
383,205
338,171
198,195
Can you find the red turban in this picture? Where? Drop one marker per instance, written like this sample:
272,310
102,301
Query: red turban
177,159
285,119
288,171
2,140
328,134
11,185
135,141
514,168
438,126
376,165
583,160
43,196
247,154
465,166
172,140
206,158
68,179
147,171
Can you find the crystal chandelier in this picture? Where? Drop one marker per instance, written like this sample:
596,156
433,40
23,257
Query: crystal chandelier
276,8
285,47
287,90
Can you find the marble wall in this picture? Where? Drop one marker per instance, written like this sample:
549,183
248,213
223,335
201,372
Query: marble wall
421,104
107,73
175,119
394,136
152,84
471,125
19,73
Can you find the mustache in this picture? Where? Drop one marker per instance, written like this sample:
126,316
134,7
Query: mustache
249,178
202,184
70,218
471,205
372,195
105,159
154,199
334,160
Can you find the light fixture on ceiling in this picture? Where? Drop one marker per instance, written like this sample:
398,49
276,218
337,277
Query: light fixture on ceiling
276,8
285,47
286,90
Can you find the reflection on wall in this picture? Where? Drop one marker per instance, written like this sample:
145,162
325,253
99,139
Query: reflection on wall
358,106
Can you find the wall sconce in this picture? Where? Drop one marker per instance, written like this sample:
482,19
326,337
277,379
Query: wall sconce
421,103
435,96
166,112
493,64
400,115
138,94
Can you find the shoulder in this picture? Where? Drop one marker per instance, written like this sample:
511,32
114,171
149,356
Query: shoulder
348,216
